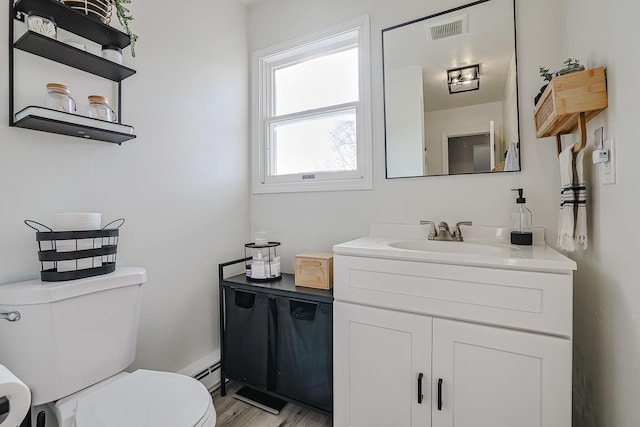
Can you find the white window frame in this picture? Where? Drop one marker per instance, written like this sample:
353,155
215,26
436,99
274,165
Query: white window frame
264,62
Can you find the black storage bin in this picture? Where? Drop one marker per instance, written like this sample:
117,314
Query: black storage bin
246,338
305,352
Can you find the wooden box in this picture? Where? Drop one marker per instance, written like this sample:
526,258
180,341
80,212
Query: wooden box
314,270
566,97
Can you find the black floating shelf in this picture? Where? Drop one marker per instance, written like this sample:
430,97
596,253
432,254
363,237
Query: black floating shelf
63,53
76,22
71,129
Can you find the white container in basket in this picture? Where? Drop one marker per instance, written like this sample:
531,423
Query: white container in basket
81,221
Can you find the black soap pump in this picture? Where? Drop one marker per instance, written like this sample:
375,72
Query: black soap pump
521,218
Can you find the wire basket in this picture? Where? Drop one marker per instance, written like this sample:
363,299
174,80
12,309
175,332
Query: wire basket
97,9
70,255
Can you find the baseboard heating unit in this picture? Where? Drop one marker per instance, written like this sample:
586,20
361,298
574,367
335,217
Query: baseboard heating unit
209,376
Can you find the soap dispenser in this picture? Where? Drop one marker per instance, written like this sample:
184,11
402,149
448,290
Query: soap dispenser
521,217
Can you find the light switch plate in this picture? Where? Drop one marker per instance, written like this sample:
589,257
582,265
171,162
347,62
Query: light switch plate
608,169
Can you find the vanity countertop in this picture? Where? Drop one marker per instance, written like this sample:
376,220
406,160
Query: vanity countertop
482,247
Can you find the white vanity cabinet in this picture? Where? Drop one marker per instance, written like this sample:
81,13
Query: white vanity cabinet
488,346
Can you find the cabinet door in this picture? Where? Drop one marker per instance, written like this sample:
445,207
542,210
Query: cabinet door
494,377
381,358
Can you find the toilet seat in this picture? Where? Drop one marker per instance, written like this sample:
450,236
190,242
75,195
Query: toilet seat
147,399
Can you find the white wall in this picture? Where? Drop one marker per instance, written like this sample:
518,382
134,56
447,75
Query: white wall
457,122
316,221
182,185
607,294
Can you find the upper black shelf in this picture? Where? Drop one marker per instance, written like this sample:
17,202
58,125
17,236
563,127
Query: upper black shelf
76,22
54,50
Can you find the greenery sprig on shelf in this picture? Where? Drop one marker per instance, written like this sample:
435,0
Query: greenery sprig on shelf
570,66
124,17
545,74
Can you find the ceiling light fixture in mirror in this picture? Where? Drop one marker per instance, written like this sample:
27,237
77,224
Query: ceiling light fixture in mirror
463,79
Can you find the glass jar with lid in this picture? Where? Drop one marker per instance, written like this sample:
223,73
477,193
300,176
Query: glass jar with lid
99,108
59,98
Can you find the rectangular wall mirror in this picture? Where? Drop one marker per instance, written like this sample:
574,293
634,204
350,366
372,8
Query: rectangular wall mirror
451,93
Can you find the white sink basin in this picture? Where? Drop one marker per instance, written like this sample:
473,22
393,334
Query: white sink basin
483,246
449,247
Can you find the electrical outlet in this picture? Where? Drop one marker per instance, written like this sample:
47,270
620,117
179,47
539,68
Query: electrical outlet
608,169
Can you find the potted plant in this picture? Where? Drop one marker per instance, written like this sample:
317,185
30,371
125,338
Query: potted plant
124,17
546,76
102,11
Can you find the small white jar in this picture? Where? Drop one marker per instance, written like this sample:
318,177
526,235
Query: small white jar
42,24
112,53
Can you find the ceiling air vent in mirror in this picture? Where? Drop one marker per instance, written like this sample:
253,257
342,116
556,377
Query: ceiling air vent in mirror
449,27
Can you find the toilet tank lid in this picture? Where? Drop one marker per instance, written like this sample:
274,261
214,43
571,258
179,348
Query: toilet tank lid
38,292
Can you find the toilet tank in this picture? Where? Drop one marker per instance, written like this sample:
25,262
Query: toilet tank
70,334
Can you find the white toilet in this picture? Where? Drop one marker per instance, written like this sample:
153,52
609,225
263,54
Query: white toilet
73,341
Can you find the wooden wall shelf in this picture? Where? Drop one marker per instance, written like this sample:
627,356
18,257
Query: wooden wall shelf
569,102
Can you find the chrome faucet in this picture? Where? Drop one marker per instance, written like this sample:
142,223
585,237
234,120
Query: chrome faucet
442,233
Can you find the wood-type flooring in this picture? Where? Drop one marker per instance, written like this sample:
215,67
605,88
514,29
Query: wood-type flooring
232,412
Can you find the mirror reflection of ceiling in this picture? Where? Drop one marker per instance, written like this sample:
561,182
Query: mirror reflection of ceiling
423,120
484,43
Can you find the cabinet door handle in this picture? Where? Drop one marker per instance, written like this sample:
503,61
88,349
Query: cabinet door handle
420,396
439,394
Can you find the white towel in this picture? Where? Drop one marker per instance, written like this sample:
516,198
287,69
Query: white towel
580,188
511,162
567,202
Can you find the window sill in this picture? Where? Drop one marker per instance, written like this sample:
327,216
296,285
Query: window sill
365,183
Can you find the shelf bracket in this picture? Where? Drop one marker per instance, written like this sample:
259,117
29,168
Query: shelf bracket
582,129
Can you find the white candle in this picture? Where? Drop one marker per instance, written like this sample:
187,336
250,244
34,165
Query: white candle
261,238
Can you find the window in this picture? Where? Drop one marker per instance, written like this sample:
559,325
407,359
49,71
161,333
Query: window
312,114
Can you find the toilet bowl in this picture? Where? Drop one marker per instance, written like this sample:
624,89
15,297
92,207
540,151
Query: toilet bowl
71,344
140,399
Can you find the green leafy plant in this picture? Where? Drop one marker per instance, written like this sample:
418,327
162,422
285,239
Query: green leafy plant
545,74
124,17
